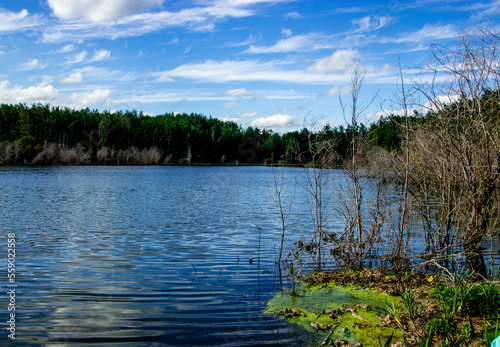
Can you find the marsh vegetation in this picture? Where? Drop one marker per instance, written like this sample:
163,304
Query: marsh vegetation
427,203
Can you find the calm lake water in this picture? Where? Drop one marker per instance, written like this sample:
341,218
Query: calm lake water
143,256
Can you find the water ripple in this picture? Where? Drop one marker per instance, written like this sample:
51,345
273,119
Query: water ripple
134,256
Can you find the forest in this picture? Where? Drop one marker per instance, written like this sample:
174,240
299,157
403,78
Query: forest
46,135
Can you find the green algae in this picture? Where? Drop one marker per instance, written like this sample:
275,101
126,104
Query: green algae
353,314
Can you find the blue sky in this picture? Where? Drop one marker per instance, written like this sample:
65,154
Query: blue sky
265,63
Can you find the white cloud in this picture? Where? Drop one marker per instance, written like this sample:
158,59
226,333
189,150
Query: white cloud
99,10
77,58
102,74
144,96
335,91
124,18
43,93
54,36
247,70
46,80
33,64
240,118
251,39
276,121
430,33
371,23
99,97
229,105
340,61
10,21
304,42
76,77
67,48
102,54
248,115
292,15
239,93
439,102
287,32
230,119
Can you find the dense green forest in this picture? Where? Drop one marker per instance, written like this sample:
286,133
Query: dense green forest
41,134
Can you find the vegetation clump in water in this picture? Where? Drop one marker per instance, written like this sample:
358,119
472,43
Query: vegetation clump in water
346,313
370,308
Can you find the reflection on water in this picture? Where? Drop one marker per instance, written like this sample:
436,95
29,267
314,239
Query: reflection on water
143,255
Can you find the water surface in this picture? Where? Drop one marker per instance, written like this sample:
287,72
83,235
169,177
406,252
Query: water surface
134,256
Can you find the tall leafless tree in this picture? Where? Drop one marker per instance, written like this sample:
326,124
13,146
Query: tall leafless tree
458,154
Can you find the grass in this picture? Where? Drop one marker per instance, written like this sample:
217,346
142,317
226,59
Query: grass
490,335
463,305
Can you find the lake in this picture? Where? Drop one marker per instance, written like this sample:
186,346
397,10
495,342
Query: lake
144,256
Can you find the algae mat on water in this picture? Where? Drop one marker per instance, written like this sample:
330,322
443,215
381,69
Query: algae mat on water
350,314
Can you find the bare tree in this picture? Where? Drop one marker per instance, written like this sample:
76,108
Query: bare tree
355,244
316,178
279,194
459,156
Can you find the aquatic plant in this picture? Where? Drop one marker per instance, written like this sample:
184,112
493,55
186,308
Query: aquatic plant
490,335
392,311
345,313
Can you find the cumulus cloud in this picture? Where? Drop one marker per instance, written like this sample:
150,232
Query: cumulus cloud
276,121
99,97
241,117
439,102
43,93
100,10
339,61
230,119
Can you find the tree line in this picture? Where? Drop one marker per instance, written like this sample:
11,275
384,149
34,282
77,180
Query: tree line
44,134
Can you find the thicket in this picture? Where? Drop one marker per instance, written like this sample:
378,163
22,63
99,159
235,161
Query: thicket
416,191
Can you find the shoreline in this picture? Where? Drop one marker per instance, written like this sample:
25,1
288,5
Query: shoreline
167,164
